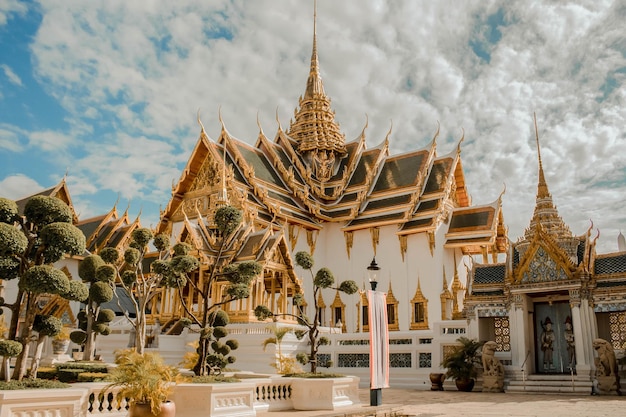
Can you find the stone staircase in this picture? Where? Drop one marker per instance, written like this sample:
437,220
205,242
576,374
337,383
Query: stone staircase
549,384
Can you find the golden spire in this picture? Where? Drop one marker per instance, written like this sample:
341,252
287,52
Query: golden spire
314,126
314,84
542,187
545,213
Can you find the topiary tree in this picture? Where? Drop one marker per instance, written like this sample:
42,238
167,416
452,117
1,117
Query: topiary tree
8,349
322,279
93,319
29,246
44,326
212,354
140,286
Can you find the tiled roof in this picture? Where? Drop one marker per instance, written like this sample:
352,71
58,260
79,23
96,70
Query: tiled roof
612,264
262,168
360,173
388,202
399,172
438,175
609,284
377,219
471,219
427,205
489,274
418,223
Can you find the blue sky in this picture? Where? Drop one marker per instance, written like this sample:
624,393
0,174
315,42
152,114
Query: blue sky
108,91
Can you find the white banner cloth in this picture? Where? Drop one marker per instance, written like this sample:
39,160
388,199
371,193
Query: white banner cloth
379,339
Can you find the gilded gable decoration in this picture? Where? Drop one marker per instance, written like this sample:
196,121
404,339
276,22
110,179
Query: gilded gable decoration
294,232
446,299
311,239
403,245
457,292
431,242
349,237
375,233
543,268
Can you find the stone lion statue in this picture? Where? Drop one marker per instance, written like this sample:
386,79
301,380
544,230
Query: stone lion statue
606,363
491,364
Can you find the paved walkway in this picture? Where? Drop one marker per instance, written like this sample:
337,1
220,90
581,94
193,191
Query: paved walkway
406,402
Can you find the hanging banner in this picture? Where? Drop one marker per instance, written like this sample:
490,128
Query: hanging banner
379,339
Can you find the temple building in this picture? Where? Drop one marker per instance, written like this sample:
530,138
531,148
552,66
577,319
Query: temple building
447,265
550,300
308,189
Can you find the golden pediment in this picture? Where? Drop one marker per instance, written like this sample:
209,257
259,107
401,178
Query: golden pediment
542,263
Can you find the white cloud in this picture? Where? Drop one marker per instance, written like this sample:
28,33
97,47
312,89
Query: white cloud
9,7
11,76
49,141
15,187
143,69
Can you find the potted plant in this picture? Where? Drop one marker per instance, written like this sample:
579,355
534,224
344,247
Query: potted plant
461,363
61,341
146,381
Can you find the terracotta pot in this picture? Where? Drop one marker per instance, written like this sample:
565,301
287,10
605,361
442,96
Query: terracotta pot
168,409
465,385
437,379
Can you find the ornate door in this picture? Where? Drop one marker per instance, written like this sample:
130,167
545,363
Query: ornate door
554,338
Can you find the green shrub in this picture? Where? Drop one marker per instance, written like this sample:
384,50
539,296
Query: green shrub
86,366
93,377
47,373
68,375
314,375
32,384
212,379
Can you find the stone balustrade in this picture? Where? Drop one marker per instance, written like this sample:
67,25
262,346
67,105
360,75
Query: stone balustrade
242,399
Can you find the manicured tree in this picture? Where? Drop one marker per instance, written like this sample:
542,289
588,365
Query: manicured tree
142,285
29,246
219,356
93,319
45,326
322,279
8,349
237,274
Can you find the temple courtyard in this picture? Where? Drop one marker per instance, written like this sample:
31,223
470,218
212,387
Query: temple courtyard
417,403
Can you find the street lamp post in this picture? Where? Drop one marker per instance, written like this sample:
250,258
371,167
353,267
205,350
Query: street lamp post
376,394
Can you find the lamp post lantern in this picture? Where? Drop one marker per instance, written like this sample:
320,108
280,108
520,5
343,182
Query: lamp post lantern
376,394
372,272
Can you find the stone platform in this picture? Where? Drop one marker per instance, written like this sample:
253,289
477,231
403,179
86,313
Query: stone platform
417,403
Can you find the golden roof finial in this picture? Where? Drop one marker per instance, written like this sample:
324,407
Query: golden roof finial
314,127
542,189
545,213
200,122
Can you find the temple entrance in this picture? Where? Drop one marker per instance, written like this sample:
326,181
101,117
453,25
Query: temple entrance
554,338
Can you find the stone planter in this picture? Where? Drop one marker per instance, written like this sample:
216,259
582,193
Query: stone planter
215,400
59,347
325,393
64,402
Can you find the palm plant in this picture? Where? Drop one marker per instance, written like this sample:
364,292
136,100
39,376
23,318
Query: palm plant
461,362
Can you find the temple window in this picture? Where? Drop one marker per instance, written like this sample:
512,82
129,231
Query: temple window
392,310
338,312
496,329
611,327
419,319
